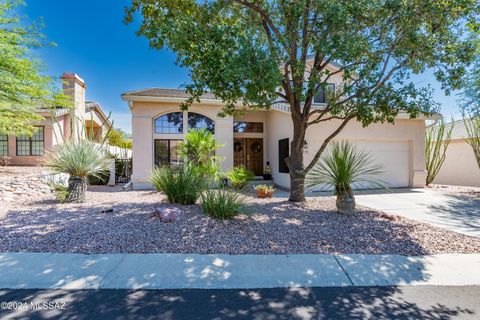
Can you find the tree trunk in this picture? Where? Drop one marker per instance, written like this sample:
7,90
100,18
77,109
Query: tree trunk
295,163
77,186
345,201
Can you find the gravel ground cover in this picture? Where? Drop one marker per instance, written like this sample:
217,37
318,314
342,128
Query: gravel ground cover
39,224
456,190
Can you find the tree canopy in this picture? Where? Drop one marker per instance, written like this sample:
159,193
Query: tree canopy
263,52
23,87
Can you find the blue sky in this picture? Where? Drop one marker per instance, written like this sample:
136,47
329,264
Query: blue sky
93,42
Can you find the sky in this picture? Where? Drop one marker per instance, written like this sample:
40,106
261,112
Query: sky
92,41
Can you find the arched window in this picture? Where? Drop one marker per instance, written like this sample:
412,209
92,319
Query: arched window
198,121
169,123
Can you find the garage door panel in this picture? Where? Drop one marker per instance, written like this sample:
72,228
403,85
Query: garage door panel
393,156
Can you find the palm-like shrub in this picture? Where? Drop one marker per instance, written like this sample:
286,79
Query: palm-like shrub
79,159
182,184
222,204
342,166
198,149
239,177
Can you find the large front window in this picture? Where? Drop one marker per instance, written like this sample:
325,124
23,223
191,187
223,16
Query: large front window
166,152
32,146
169,123
3,145
198,121
321,95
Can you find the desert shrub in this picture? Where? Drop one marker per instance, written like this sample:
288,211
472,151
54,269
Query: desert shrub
60,191
182,184
222,204
79,159
239,177
437,140
343,166
198,149
99,180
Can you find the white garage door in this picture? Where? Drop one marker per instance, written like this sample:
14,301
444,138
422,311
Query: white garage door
393,156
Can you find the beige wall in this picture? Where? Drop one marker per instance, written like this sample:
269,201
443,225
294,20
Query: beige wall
460,167
400,146
143,136
408,132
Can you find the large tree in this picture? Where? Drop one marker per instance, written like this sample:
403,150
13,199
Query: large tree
23,88
261,52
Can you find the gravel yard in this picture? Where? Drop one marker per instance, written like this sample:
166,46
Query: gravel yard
274,226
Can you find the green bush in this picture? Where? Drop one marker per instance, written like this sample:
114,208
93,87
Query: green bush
99,180
222,204
239,177
182,184
61,191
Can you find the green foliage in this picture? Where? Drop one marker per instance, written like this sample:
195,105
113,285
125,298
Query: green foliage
79,159
182,184
199,149
23,88
437,139
222,204
264,187
61,192
472,124
343,166
117,137
239,177
100,180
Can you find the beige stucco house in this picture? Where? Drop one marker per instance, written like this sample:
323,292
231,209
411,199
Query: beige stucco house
259,137
460,167
59,125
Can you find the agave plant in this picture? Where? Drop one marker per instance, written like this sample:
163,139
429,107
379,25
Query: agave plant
78,159
341,167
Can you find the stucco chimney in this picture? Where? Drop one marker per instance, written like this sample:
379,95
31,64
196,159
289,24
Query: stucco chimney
74,86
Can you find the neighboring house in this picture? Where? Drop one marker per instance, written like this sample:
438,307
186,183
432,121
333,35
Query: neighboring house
460,167
58,125
258,137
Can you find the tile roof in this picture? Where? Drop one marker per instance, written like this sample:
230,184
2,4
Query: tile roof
164,92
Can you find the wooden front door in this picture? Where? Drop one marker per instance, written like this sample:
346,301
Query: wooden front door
248,153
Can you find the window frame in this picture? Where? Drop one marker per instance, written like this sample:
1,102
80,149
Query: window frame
169,158
202,116
3,147
30,140
330,86
255,123
282,164
169,127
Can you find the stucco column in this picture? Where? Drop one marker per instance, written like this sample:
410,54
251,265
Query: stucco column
142,139
224,136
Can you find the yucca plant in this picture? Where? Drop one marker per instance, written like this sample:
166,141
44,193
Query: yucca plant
342,166
78,159
222,204
182,184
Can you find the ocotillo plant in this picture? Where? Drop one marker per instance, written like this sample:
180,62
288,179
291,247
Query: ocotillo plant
437,139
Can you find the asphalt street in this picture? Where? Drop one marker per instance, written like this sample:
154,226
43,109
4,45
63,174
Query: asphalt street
408,302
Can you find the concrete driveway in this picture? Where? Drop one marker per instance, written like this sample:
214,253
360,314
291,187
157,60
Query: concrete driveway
449,211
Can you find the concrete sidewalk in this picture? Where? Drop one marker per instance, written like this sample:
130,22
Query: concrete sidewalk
218,271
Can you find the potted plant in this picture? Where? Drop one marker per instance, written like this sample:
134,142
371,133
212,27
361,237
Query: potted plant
264,191
267,173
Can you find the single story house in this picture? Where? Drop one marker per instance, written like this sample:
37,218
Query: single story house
58,125
256,138
460,167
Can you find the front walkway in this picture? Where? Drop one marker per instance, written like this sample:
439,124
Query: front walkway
449,211
180,271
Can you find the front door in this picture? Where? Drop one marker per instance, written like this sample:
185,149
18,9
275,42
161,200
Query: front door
248,153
